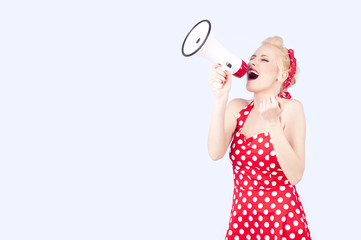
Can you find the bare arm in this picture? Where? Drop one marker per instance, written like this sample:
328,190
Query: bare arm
223,124
289,143
224,117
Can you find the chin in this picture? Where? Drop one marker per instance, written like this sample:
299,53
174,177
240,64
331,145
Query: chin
251,87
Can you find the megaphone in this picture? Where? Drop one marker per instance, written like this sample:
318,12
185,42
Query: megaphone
201,41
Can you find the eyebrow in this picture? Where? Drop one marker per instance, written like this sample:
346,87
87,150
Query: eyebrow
263,55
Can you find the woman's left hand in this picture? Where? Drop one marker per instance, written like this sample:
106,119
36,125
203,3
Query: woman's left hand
271,109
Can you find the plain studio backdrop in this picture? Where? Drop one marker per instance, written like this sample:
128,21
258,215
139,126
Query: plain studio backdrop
104,124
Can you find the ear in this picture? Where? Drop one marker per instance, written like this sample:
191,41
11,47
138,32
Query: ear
283,76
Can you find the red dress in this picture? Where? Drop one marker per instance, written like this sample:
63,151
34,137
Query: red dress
265,204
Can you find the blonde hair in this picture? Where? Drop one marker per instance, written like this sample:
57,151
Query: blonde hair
284,61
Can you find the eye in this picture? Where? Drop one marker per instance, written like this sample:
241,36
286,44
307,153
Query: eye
264,60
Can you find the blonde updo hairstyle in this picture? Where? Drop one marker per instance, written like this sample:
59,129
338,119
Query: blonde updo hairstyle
284,61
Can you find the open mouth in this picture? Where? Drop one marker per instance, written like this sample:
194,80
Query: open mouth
252,74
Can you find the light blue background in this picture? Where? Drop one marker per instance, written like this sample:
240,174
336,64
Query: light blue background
103,123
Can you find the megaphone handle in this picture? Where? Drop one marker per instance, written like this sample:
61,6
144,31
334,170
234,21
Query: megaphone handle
223,67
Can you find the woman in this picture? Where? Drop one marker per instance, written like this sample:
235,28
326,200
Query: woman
268,147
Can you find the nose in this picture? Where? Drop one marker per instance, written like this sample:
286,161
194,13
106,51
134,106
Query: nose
252,63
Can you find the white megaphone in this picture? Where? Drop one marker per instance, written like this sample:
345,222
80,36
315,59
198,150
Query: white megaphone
201,41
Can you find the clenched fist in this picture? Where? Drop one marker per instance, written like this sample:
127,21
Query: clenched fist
271,109
221,81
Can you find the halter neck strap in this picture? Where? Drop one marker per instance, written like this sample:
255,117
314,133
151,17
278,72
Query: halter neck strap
285,95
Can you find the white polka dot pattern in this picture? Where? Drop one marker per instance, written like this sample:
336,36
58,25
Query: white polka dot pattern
265,204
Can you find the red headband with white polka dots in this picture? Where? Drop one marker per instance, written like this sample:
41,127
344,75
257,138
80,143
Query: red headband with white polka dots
291,74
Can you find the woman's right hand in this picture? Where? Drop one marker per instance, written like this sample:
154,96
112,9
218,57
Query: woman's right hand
220,77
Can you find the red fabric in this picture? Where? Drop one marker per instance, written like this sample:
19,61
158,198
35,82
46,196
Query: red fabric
265,204
285,95
293,65
291,74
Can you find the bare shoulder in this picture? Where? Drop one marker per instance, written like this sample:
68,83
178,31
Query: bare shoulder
236,105
293,110
293,106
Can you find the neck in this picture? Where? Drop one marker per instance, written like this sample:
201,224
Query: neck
260,96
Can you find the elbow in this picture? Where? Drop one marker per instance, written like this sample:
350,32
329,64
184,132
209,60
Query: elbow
215,156
297,175
216,153
296,179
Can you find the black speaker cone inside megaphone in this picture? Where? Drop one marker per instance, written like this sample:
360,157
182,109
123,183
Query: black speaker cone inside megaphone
200,41
196,38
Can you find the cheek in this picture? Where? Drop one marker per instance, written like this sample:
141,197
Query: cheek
271,70
271,73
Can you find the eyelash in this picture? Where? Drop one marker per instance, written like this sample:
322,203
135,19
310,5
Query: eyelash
263,59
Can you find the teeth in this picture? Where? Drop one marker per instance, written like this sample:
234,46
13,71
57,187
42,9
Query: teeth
254,72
